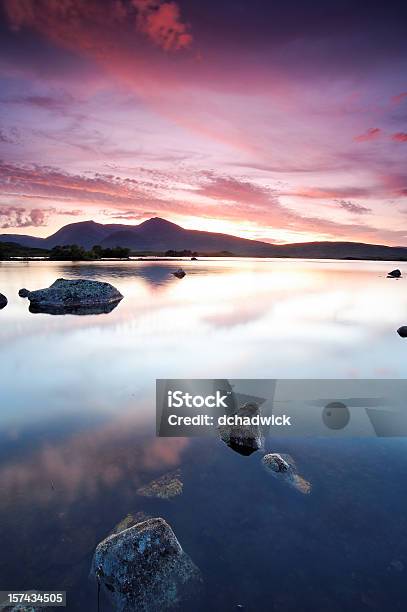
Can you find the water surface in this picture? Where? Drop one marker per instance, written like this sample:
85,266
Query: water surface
77,430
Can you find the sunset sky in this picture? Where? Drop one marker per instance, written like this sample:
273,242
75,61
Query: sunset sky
283,121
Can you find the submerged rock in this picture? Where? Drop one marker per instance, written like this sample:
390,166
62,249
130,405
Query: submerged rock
3,301
165,487
23,293
283,467
402,331
394,274
76,297
244,439
180,273
129,521
144,568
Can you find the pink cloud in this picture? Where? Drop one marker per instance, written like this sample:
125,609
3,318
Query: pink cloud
399,98
89,24
353,207
16,216
399,137
370,134
226,198
162,24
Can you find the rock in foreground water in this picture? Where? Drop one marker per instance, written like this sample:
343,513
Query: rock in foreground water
394,274
3,301
284,468
23,293
244,439
402,331
144,568
75,296
180,273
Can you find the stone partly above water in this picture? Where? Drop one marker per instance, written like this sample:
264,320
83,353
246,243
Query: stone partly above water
144,568
402,331
78,296
165,487
394,274
180,273
283,467
3,301
244,439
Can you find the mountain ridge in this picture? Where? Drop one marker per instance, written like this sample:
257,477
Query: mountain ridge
160,235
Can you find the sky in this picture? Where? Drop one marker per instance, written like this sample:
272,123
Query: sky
277,121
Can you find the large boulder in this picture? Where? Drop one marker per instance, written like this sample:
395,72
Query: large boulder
394,274
3,301
144,568
75,296
244,439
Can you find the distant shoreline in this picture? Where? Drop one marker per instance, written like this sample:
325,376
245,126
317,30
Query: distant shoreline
159,258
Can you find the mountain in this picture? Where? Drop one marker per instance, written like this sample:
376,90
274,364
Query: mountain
159,235
23,240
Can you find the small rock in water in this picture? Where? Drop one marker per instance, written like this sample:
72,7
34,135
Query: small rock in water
244,439
77,296
144,568
23,293
3,301
402,331
275,462
165,487
283,466
194,259
180,273
394,274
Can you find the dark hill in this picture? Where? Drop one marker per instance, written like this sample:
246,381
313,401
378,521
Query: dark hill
158,235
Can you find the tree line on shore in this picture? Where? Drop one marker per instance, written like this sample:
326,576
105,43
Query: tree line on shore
70,252
73,252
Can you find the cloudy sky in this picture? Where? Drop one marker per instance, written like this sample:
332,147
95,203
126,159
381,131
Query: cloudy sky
281,121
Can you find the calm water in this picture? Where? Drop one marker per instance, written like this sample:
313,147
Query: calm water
77,431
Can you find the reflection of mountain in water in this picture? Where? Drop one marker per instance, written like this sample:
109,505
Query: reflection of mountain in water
154,275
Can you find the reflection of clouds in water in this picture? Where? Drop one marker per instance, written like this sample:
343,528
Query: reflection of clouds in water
311,318
85,464
238,315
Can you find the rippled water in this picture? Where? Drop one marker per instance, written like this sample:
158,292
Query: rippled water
77,431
